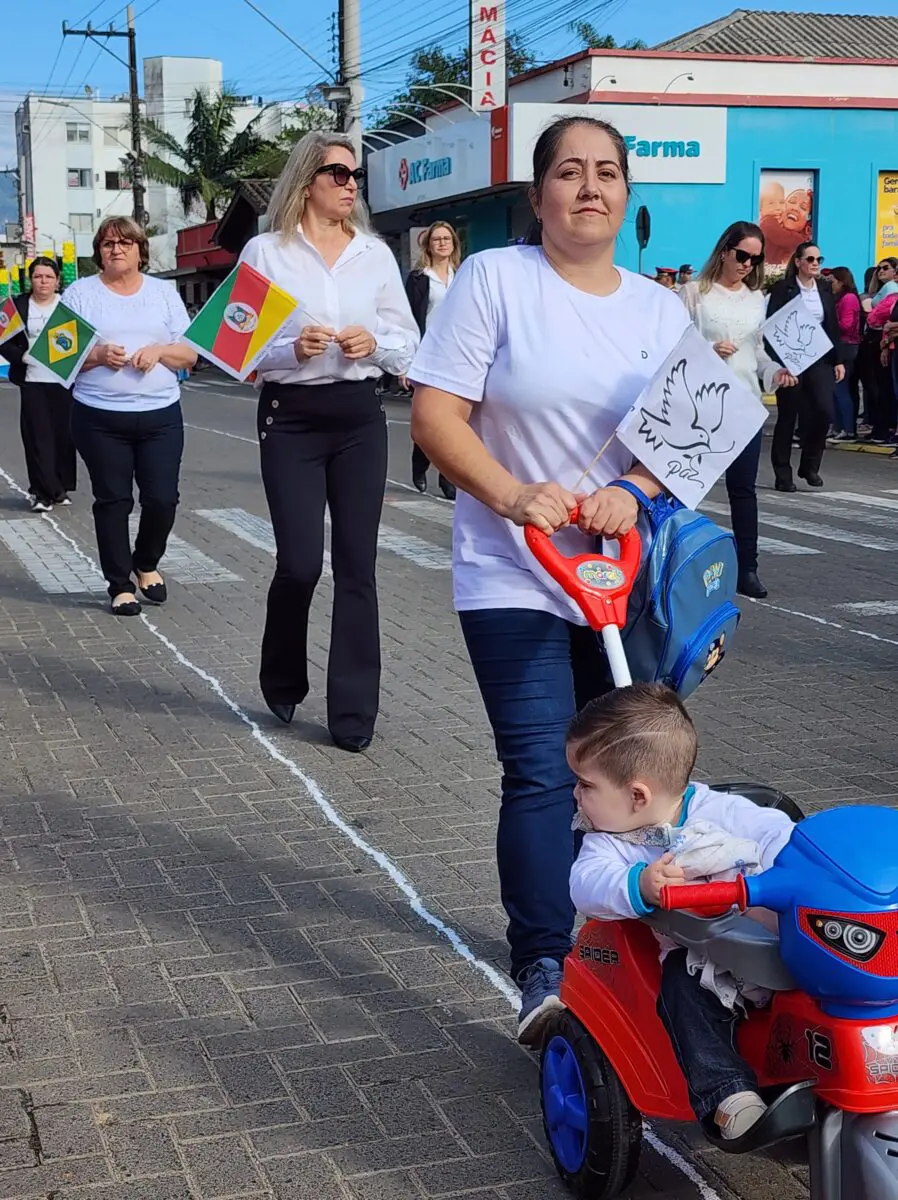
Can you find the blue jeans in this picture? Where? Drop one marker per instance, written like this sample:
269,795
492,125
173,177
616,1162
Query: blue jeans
846,413
703,1033
534,671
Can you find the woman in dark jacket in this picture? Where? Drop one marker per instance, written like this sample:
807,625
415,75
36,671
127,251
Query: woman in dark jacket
426,288
46,406
811,402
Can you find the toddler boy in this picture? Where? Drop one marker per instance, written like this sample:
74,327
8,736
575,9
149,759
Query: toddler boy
633,751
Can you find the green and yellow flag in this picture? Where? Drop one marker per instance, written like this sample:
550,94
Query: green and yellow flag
63,345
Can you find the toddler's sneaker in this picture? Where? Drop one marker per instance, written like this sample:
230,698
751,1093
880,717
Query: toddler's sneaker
736,1115
540,987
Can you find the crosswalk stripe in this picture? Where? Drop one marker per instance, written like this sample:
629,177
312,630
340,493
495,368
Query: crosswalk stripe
828,533
257,532
430,510
872,608
859,498
769,545
868,517
48,558
187,564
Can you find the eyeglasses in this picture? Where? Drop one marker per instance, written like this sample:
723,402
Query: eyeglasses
110,245
742,257
812,258
886,267
342,174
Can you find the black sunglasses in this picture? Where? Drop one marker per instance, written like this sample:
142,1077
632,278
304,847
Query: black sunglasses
814,258
743,256
342,174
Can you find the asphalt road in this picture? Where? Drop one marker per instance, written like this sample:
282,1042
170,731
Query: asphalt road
234,962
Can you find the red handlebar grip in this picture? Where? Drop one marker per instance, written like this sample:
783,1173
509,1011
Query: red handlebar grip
707,897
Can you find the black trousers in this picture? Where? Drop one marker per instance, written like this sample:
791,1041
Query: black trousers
420,464
44,421
322,445
741,481
119,447
811,403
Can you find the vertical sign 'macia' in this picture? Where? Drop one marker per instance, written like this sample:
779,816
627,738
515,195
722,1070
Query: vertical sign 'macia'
487,54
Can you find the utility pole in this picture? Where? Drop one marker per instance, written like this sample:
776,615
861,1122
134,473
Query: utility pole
136,157
351,71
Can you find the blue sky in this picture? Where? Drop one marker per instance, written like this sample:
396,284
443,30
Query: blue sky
257,60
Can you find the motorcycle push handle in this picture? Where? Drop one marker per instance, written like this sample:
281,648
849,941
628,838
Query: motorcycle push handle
599,584
709,898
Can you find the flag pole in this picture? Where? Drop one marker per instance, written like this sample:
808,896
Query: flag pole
586,470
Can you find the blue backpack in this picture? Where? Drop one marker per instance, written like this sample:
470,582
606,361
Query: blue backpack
681,616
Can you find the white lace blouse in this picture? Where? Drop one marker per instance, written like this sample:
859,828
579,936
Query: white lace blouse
723,315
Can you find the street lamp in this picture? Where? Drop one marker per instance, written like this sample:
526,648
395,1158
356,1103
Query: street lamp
684,75
610,79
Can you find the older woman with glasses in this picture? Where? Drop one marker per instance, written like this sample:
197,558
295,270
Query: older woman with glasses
812,401
126,419
322,429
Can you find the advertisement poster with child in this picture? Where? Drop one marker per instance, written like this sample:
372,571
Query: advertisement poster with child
785,214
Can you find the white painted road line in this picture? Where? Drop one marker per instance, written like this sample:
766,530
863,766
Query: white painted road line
865,541
187,564
859,498
872,608
415,549
255,531
49,559
787,549
867,518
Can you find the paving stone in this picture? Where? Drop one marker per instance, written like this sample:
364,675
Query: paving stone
249,1077
221,1167
141,1149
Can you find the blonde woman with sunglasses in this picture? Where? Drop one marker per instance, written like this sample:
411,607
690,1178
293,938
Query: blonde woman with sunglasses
727,307
322,429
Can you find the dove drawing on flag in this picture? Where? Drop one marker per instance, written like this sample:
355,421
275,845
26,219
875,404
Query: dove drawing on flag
795,338
688,423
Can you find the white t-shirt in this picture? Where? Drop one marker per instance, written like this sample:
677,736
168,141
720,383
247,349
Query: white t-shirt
38,316
551,370
154,315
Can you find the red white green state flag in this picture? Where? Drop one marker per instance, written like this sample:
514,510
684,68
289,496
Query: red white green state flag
238,322
63,344
10,321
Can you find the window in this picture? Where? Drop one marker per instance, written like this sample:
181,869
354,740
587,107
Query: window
81,222
78,177
115,181
113,136
75,132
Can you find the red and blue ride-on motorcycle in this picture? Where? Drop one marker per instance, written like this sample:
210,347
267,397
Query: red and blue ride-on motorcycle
825,1050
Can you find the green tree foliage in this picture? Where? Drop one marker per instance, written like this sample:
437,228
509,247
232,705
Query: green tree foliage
435,75
269,161
213,157
593,40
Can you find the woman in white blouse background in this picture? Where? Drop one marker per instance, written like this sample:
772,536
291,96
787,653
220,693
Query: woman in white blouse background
727,307
426,288
322,428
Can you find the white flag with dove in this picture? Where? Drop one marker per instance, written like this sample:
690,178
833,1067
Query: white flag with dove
692,420
796,338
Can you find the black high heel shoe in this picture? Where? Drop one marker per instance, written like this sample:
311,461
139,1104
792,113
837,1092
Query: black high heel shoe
155,593
283,712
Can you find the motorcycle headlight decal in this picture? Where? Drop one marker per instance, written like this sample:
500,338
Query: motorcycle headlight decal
848,936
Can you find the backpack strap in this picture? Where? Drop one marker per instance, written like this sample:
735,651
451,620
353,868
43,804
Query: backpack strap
657,510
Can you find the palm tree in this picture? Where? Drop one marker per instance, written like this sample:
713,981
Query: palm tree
212,159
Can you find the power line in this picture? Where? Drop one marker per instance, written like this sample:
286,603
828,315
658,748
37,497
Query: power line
290,39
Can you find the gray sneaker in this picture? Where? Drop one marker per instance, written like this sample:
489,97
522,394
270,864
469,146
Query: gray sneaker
540,999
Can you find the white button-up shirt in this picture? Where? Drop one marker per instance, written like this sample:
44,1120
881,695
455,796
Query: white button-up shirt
812,302
363,287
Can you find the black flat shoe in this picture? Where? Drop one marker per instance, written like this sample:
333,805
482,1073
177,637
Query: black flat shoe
783,485
748,584
420,482
354,745
811,478
128,608
156,593
447,488
283,712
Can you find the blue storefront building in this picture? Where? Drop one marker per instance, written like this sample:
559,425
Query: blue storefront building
824,166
